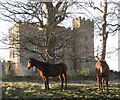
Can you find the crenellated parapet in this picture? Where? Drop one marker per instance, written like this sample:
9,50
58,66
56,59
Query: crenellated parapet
82,22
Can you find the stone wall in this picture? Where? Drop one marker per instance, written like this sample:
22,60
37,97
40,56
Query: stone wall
14,69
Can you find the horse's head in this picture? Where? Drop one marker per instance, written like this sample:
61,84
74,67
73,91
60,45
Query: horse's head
102,67
30,63
101,70
99,66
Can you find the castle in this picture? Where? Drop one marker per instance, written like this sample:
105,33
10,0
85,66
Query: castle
78,51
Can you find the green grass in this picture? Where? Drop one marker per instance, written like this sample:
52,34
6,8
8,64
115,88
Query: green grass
74,90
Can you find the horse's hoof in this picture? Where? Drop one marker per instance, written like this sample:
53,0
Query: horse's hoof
46,89
65,88
99,89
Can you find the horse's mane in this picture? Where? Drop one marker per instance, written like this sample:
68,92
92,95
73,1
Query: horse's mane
37,60
41,62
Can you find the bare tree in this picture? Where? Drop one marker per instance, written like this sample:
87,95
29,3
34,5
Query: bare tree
37,12
105,23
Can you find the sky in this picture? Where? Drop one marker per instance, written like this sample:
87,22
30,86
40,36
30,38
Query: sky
4,53
112,43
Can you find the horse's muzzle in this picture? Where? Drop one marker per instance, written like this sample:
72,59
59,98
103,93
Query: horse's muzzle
102,74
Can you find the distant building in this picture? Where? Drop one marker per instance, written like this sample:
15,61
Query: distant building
78,51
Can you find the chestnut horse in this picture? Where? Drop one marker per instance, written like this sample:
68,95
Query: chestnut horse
102,70
47,70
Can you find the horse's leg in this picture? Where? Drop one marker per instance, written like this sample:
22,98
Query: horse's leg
103,84
98,79
100,83
47,84
107,83
61,78
65,79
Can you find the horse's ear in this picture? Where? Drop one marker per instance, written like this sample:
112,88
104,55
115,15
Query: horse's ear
97,58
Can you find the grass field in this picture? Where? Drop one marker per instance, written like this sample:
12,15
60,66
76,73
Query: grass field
36,90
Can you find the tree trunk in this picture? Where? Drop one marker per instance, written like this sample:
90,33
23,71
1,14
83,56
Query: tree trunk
50,38
104,34
50,13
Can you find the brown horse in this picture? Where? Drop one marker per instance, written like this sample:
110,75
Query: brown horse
47,70
102,70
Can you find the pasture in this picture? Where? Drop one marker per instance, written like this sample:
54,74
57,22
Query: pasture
34,88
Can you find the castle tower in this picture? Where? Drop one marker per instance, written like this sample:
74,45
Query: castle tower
84,36
18,35
14,43
83,42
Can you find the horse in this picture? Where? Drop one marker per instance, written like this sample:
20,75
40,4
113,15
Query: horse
102,70
47,70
